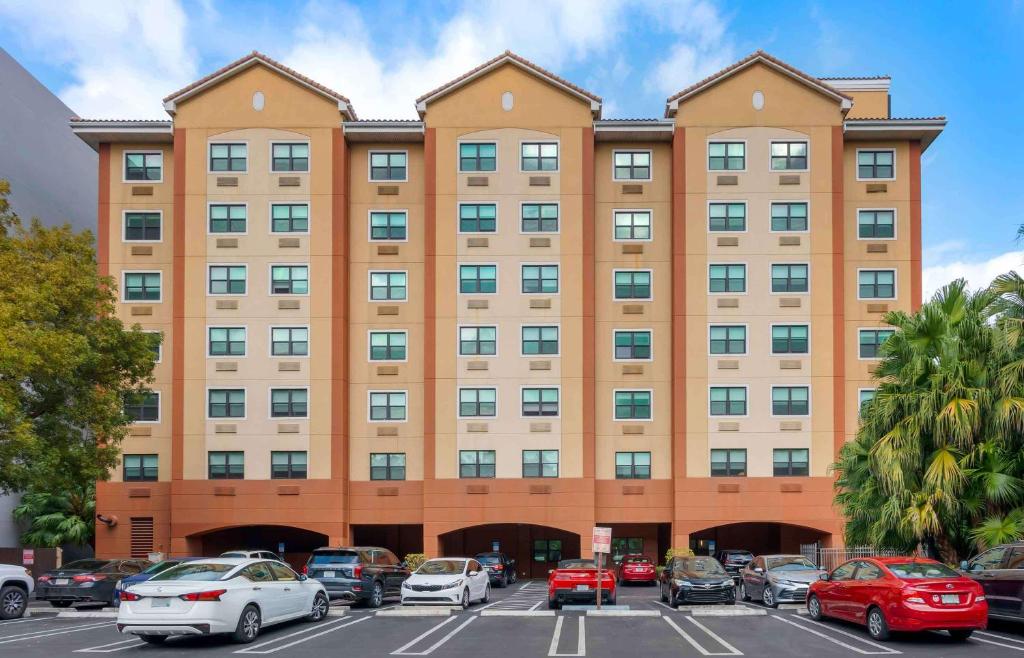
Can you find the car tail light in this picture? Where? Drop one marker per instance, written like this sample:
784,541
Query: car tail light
44,579
357,572
212,595
89,578
305,569
130,596
499,567
979,598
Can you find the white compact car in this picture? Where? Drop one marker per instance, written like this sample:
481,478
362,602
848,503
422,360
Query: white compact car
219,595
16,586
447,580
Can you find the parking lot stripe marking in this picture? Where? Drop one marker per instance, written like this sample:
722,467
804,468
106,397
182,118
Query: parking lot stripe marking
335,627
999,637
536,605
696,645
581,639
999,644
733,650
447,637
401,650
884,650
22,621
47,633
113,646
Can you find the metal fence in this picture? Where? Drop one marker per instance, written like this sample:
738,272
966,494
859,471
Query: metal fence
830,558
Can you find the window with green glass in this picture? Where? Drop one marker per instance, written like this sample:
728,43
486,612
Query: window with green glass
227,218
478,218
143,407
633,345
142,226
289,341
141,468
876,164
288,465
789,156
387,406
228,157
143,166
871,342
226,341
790,400
789,216
142,286
790,462
632,405
728,400
876,224
864,397
540,401
632,165
226,465
476,463
632,224
227,279
539,218
727,278
388,345
289,280
727,156
388,165
289,403
728,339
632,466
547,550
540,463
539,279
478,402
478,279
539,156
290,157
226,403
478,341
540,341
790,339
387,465
289,218
633,284
727,216
478,156
388,225
876,284
728,463
789,277
388,286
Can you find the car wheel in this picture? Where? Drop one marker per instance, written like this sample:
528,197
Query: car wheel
768,597
814,608
61,604
320,606
465,598
153,639
553,604
376,595
611,600
878,629
673,600
248,627
13,601
515,578
503,581
743,591
487,594
960,634
664,596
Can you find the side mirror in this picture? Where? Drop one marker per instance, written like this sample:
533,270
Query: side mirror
473,573
551,571
303,577
964,566
758,570
823,576
403,564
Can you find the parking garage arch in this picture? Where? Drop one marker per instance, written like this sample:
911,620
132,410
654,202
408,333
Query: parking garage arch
298,542
535,548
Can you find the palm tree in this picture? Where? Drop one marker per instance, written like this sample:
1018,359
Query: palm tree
58,519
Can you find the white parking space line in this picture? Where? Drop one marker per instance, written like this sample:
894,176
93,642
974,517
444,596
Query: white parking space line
1005,638
998,644
50,632
426,652
24,621
334,626
111,647
731,650
581,638
882,650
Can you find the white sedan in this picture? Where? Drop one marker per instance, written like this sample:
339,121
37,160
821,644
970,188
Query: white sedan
238,596
448,580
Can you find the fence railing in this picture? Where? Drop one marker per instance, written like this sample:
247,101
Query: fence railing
830,558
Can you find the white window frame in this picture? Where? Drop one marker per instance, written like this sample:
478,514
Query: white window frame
124,166
860,329
481,202
532,202
124,287
497,278
371,391
466,140
497,341
725,172
539,419
286,202
227,294
227,326
746,279
650,168
630,390
382,330
270,341
209,206
746,339
895,284
124,225
726,418
856,161
789,294
369,287
746,216
519,158
270,280
556,325
649,211
369,227
784,140
285,419
160,348
270,156
497,397
806,202
556,264
159,409
860,405
771,348
631,300
226,386
369,166
209,157
630,329
771,400
895,224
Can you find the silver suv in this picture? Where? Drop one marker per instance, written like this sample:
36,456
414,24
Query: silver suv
16,586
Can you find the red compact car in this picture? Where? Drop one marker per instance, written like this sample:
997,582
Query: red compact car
900,594
575,581
637,569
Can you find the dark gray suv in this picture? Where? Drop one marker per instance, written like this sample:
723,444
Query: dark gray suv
1000,572
365,575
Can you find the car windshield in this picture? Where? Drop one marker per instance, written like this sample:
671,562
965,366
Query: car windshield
162,566
488,559
636,560
196,571
235,554
739,555
699,567
334,557
577,564
441,567
789,563
85,565
917,570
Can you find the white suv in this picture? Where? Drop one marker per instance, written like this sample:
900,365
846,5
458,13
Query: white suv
16,586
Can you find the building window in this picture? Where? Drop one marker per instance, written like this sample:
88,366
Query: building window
727,278
387,286
876,284
632,466
877,224
289,403
790,400
140,468
632,225
387,465
388,225
539,218
226,465
789,278
633,345
478,279
226,341
728,463
727,217
478,218
478,402
227,218
227,279
143,166
478,341
728,400
289,341
226,403
789,462
789,216
290,157
388,345
289,280
387,406
865,395
632,405
228,157
142,286
385,166
288,465
478,156
728,339
540,402
790,339
789,156
632,165
289,218
540,463
476,463
539,279
156,344
538,156
143,408
540,341
727,156
871,342
876,164
633,285
142,226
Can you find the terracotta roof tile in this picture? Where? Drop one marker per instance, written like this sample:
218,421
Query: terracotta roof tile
897,119
855,77
77,119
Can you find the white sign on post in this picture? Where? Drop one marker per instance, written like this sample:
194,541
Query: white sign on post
602,540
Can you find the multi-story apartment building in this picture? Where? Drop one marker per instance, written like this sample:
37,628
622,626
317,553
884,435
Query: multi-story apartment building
508,321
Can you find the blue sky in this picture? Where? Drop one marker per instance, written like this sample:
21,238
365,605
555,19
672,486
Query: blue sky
117,58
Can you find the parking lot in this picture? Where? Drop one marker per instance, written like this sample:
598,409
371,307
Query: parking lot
517,623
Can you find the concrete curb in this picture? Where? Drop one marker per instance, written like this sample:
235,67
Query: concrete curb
88,614
415,611
335,612
742,612
623,613
517,613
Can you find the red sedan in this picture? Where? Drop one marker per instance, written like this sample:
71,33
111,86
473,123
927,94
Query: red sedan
637,569
575,581
900,594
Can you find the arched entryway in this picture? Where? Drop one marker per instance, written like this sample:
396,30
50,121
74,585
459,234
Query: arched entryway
535,548
760,538
293,544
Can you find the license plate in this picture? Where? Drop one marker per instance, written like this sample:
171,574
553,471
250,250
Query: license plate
328,574
583,588
60,581
951,598
161,603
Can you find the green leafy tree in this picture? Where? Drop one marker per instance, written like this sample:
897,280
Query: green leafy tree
58,519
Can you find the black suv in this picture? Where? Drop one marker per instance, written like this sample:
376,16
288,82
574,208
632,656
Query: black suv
734,560
365,575
501,569
1000,572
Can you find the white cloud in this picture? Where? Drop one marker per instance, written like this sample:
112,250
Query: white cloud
979,273
701,48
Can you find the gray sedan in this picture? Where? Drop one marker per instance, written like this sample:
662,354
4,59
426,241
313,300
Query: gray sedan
775,579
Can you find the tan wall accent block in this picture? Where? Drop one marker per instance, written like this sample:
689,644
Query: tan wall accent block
140,431
789,240
477,489
477,242
288,366
877,248
142,190
540,427
729,426
288,243
287,428
632,490
288,304
789,302
540,303
139,250
477,304
477,428
789,179
632,429
387,190
790,364
791,426
387,310
387,370
226,366
387,250
288,490
227,181
728,364
878,308
227,243
632,188
478,181
142,310
728,488
227,304
728,180
288,181
540,242
476,365
632,249
387,431
225,429
791,488
387,491
223,491
632,369
540,181
874,188
540,365
727,302
540,489
138,493
633,309
728,241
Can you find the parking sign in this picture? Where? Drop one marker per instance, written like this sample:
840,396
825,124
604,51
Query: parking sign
602,540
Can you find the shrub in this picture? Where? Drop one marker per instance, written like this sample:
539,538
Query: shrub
677,552
414,560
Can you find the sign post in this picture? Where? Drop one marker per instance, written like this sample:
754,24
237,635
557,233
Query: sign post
602,543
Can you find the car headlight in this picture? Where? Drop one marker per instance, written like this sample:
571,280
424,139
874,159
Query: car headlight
683,583
453,584
727,582
405,585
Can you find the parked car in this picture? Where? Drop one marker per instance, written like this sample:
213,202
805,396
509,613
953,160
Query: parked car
774,579
900,594
734,560
238,596
1001,576
86,581
637,569
575,581
16,587
696,579
149,572
449,580
365,575
259,555
501,569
